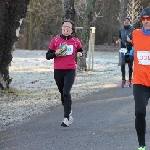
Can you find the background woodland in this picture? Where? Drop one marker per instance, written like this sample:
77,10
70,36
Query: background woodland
43,20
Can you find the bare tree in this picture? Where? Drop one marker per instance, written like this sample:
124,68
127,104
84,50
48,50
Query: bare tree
11,11
68,10
133,10
145,3
41,23
37,15
123,14
87,22
123,10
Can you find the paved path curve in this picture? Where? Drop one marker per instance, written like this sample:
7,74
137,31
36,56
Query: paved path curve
103,121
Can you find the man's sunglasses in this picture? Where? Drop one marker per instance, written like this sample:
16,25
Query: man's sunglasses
147,18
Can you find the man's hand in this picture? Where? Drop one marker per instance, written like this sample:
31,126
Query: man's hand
118,41
128,39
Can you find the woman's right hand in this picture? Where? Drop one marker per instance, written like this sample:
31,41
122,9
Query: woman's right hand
58,51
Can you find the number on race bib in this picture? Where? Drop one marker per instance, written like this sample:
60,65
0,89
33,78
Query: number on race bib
143,57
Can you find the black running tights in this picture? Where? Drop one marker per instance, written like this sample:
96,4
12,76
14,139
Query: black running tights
64,80
141,96
130,66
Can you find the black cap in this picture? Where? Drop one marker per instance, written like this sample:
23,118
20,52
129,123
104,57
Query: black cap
127,18
145,12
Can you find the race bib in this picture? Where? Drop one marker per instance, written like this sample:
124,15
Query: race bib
143,57
123,50
69,50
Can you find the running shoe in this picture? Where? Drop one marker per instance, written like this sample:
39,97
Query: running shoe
65,122
142,148
130,83
123,83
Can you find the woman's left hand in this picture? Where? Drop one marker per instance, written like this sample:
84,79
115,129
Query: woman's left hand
79,54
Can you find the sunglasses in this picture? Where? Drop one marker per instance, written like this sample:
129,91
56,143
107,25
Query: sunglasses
147,18
66,27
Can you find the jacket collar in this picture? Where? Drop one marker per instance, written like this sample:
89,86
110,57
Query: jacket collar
65,37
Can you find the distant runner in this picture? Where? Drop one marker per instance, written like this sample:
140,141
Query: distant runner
124,36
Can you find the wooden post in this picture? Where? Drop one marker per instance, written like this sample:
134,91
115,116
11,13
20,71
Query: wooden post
89,51
93,45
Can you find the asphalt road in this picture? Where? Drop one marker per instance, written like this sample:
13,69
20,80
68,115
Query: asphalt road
102,121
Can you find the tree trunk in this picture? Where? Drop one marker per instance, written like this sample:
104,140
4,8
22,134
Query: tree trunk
30,34
68,10
110,31
123,10
11,11
133,11
123,14
88,17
